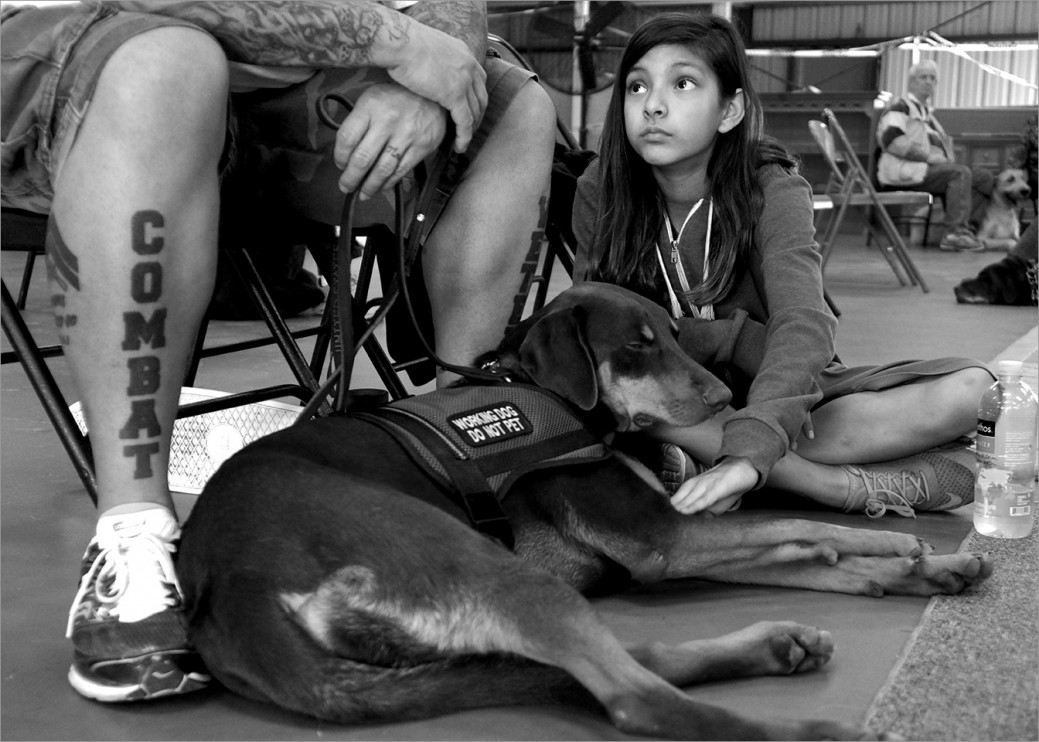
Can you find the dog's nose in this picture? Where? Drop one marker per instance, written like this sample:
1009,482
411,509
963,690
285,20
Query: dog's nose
716,398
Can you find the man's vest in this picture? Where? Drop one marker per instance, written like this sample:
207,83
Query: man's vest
477,441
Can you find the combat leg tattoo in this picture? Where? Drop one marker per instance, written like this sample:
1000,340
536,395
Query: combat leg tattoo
530,264
63,274
144,329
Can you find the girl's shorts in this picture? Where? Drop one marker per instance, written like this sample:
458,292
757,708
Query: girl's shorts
52,57
838,380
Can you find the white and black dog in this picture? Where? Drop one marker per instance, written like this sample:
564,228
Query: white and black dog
1000,226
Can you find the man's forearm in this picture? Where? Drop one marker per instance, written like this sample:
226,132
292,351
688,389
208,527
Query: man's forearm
301,33
465,20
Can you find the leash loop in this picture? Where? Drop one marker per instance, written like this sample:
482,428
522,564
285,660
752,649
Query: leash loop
431,202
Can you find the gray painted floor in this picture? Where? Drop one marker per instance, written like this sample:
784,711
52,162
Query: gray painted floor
46,521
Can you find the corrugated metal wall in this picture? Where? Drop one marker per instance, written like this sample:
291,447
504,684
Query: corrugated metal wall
962,83
802,23
831,26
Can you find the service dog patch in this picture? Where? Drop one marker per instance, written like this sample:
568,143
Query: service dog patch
490,424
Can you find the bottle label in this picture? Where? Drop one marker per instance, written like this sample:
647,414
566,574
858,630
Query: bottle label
985,443
1003,504
1009,440
997,496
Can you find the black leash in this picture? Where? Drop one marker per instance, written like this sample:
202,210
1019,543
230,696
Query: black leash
431,202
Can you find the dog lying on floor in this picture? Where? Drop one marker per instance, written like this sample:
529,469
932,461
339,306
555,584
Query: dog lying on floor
326,570
1000,227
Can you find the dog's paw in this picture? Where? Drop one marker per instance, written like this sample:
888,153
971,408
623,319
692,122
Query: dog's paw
782,647
948,573
964,295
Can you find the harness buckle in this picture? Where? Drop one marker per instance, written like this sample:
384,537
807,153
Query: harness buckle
494,367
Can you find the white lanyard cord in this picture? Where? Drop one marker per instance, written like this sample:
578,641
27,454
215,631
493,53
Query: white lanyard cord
706,311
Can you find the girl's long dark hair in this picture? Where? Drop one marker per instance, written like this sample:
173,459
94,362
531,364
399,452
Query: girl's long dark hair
630,215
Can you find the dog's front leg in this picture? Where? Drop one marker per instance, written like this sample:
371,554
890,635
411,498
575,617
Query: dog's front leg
817,556
710,547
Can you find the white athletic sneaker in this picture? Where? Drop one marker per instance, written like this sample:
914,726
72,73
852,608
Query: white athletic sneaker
128,635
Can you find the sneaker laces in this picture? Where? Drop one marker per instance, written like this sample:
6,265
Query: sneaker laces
132,576
892,490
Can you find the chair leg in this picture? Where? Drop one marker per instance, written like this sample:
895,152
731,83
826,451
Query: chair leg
927,223
54,404
886,251
196,353
265,304
830,233
23,290
898,245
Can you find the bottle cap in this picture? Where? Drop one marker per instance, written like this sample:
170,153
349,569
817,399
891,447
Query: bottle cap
1011,368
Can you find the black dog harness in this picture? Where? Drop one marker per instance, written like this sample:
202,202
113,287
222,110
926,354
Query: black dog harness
478,440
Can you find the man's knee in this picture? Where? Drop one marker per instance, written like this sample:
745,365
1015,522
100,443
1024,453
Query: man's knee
173,67
531,117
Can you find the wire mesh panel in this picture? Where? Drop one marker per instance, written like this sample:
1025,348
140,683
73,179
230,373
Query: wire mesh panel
201,443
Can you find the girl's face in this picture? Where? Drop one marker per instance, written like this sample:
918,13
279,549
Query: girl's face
674,110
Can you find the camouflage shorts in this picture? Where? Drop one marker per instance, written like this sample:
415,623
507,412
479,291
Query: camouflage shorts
52,58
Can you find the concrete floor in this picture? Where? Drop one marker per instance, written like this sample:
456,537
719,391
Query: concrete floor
47,520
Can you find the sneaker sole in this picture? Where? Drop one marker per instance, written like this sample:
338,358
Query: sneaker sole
161,677
672,471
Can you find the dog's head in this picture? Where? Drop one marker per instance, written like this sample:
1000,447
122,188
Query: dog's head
1012,185
600,344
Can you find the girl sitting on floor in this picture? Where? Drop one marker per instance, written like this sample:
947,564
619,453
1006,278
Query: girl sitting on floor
692,205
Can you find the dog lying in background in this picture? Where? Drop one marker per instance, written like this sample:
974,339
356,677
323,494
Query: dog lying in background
1011,280
326,571
1000,226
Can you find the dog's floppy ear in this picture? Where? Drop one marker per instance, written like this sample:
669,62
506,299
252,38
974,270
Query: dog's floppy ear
555,355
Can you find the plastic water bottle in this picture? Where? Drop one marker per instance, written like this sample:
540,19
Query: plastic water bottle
1004,489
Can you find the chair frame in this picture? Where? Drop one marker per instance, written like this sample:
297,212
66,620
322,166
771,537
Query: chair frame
27,233
851,186
20,236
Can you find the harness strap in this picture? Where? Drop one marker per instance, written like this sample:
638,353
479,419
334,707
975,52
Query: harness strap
473,494
522,459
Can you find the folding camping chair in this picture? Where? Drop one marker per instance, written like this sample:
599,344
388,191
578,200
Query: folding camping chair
25,232
394,252
851,186
344,318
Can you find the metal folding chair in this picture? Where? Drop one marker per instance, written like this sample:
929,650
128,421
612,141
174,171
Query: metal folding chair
851,186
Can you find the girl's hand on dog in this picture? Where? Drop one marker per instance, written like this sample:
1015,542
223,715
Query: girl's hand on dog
717,490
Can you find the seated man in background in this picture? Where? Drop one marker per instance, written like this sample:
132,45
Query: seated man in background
115,123
916,154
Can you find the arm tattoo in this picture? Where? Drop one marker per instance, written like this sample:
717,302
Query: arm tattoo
464,20
290,33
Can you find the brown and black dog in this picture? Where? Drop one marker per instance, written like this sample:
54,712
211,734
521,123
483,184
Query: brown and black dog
326,572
